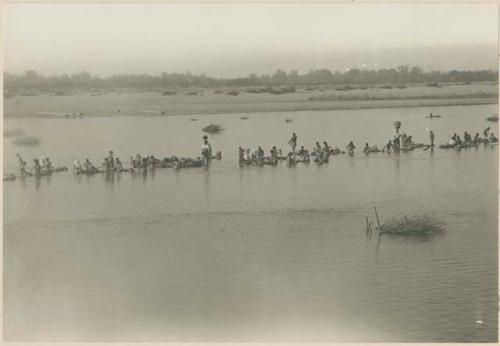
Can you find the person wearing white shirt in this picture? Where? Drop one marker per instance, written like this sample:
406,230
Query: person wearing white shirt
206,150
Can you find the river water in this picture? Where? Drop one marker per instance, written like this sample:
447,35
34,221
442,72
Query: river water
252,254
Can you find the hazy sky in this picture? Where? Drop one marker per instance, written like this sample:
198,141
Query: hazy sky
231,40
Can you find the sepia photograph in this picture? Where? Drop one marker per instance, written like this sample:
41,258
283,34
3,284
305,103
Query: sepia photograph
250,172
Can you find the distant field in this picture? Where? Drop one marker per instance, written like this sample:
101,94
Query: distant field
210,101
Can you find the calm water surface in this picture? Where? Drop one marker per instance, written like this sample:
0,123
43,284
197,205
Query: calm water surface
252,254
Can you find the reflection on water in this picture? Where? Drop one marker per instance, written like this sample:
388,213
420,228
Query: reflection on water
252,254
109,178
206,178
396,163
38,181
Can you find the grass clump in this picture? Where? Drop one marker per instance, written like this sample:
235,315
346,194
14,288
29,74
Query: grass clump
212,128
27,141
17,132
416,225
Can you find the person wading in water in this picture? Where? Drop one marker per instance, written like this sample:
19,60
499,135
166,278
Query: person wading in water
206,151
431,137
350,148
22,165
293,142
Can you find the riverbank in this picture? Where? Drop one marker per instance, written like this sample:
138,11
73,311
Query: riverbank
208,101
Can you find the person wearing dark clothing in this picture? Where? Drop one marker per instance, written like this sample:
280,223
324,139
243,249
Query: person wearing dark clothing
293,142
350,147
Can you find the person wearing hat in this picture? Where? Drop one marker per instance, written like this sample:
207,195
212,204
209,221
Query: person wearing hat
206,150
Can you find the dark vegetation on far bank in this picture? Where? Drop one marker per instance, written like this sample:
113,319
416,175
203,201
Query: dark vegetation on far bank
276,83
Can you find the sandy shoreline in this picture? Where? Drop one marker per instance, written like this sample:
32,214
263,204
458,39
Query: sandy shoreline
248,108
151,103
332,106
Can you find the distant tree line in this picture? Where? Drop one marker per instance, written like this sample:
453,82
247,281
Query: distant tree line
399,75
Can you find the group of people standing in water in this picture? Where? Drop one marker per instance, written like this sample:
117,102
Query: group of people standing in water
111,164
41,166
320,153
468,140
139,162
405,142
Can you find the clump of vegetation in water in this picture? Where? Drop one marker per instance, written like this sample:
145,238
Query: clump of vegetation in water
13,133
283,90
27,141
416,225
212,128
493,118
345,88
433,85
169,92
257,90
29,93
